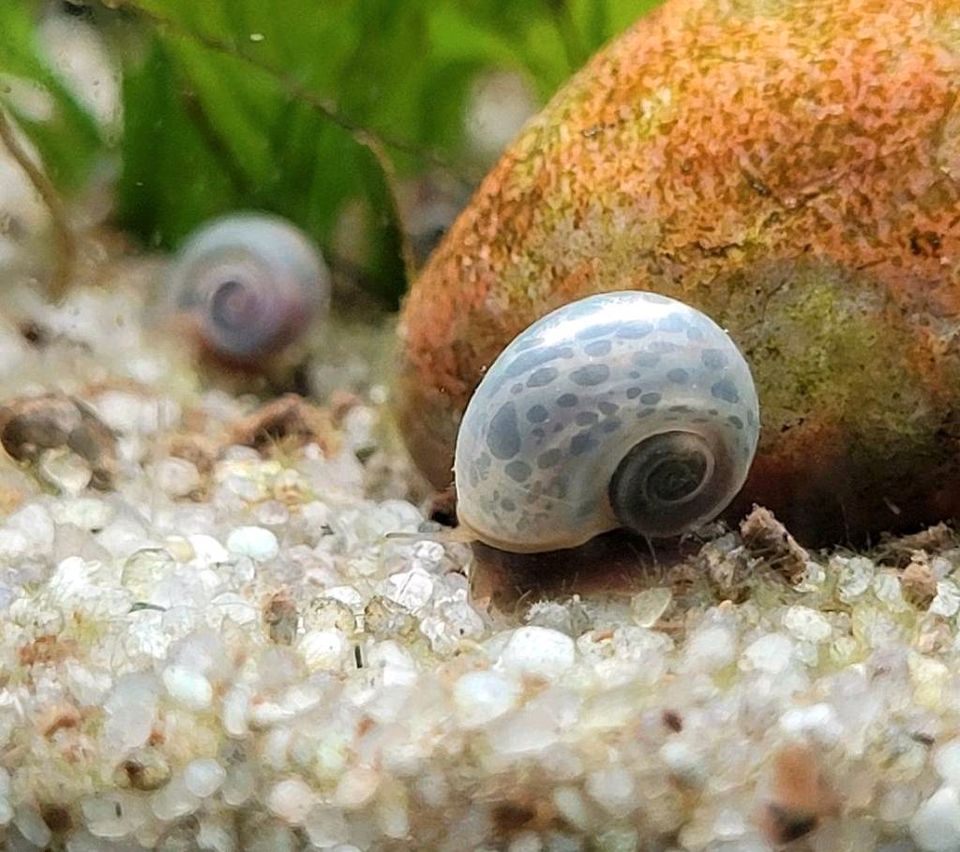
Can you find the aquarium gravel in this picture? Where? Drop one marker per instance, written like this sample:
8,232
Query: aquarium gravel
222,648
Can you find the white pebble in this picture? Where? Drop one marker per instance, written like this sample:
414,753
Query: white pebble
613,790
256,542
770,653
188,687
173,800
818,720
291,800
538,651
34,522
709,649
807,624
947,601
115,814
946,760
130,710
683,762
326,827
207,551
32,827
176,477
203,777
235,711
65,471
481,697
13,545
88,513
357,787
529,730
323,650
936,824
410,589
571,805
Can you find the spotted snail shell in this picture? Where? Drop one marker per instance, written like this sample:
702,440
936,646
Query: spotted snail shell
252,283
625,409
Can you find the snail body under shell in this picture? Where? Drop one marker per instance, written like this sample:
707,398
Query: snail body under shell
619,410
250,284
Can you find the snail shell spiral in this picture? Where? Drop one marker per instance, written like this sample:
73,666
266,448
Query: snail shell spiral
619,410
251,282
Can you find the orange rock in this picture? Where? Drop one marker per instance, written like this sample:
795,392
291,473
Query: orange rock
791,168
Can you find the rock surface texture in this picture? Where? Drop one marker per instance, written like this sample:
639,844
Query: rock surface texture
790,167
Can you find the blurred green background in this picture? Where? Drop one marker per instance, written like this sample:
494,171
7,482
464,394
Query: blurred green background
322,111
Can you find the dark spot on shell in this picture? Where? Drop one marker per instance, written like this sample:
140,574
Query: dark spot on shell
517,388
549,458
598,347
634,392
672,322
591,374
542,376
537,414
589,332
558,427
664,347
651,398
611,425
634,330
530,360
518,471
634,374
695,333
645,412
725,390
678,376
567,400
586,418
558,487
735,421
608,408
538,433
646,359
683,409
508,505
503,437
713,359
582,442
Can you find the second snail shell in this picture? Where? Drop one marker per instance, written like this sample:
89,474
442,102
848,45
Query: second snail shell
623,409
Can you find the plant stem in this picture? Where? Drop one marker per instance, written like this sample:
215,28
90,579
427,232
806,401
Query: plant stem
65,246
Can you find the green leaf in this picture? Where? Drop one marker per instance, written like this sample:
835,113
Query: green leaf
65,134
258,104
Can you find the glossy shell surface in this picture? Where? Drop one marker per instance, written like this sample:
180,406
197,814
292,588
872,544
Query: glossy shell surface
566,401
251,283
790,168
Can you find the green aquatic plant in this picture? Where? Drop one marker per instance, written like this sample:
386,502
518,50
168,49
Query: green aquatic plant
297,108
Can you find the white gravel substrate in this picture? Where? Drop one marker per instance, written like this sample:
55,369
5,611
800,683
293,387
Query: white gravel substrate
237,657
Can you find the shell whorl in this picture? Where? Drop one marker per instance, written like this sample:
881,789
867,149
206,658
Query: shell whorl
252,283
622,409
